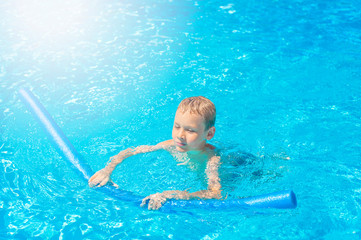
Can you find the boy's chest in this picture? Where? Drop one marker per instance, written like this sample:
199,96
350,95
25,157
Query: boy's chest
193,168
197,164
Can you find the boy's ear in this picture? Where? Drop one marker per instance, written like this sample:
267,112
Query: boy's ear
211,132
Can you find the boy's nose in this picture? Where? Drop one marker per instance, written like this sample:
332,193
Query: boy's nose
181,134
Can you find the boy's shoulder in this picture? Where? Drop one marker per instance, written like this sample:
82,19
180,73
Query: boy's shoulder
210,147
165,144
211,151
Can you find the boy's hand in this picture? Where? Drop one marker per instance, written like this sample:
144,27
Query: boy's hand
100,178
155,201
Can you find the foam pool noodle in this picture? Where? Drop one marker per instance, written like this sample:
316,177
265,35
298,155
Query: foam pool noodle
281,200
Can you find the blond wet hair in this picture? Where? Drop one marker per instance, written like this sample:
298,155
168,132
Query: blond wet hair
201,106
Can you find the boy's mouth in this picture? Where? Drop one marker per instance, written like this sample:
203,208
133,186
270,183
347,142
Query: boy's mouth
180,144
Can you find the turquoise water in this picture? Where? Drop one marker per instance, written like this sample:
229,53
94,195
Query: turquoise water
284,76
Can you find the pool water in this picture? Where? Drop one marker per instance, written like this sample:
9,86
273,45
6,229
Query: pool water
284,76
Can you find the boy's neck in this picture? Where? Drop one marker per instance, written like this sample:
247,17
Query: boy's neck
195,152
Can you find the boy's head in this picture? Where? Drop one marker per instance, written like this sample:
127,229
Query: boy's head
201,106
194,124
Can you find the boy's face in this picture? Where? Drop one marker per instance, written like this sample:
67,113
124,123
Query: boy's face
189,132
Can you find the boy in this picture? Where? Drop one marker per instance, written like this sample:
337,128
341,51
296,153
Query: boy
193,126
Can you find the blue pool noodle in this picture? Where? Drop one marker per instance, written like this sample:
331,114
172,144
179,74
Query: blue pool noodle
280,200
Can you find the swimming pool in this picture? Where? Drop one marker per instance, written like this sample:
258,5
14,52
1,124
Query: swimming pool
283,75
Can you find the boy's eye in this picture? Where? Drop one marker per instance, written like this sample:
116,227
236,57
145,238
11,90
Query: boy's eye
176,126
190,130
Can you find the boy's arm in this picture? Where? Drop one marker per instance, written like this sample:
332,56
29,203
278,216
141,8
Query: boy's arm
214,185
214,189
102,177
